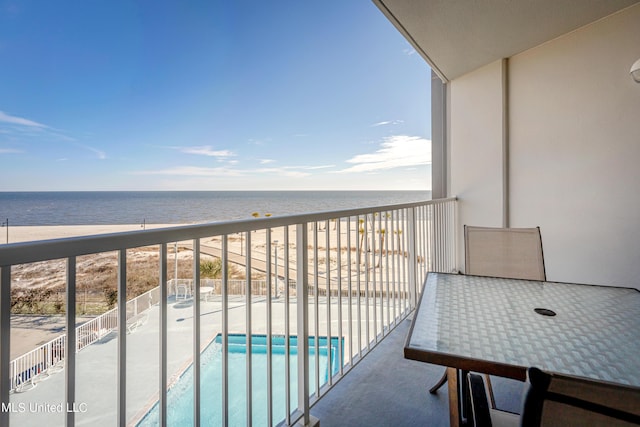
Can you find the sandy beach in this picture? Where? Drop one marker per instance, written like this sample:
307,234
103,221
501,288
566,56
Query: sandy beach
31,233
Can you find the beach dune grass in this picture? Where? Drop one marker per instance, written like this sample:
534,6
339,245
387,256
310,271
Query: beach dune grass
39,288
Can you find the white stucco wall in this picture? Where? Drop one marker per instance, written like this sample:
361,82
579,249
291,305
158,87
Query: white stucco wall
475,136
574,149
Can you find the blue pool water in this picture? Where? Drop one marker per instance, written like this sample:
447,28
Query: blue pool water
180,396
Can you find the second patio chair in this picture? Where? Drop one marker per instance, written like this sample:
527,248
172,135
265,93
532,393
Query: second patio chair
561,400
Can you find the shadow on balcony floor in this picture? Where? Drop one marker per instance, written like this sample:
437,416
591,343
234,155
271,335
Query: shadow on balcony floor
385,389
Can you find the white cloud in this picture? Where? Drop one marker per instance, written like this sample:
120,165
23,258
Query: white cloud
205,150
292,171
26,128
261,141
266,161
388,122
14,120
283,172
9,151
398,151
409,51
101,154
192,171
309,167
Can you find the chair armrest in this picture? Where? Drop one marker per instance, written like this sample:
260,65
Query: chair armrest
481,411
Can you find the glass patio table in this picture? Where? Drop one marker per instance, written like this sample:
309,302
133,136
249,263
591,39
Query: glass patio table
504,326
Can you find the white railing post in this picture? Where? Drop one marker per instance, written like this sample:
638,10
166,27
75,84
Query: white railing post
454,236
248,333
99,331
287,330
413,261
196,329
269,326
302,301
339,287
224,294
162,401
70,350
5,333
121,408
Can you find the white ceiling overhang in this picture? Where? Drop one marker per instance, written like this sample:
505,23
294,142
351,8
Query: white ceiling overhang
459,36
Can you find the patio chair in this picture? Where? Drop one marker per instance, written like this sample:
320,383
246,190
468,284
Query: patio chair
512,253
554,399
483,411
561,400
183,291
137,321
25,384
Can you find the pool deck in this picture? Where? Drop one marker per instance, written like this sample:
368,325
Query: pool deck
96,365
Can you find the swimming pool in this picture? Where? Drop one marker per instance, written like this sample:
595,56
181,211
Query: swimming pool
180,396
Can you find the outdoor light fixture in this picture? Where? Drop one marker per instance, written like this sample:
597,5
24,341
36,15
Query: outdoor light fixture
635,71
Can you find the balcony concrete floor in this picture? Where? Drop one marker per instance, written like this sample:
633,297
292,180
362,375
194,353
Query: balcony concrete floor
385,389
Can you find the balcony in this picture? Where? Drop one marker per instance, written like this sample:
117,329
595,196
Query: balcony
334,287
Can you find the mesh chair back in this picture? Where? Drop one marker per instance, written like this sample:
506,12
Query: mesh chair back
514,253
560,400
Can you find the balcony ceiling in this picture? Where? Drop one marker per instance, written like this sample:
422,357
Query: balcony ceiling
459,36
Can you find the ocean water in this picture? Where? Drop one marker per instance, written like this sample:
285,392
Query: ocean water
179,207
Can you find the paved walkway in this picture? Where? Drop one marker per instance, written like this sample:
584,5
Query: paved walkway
258,264
31,331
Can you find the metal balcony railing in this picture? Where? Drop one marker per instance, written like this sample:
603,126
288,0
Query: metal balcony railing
351,275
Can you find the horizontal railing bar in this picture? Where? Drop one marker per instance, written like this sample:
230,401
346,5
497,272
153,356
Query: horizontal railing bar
27,252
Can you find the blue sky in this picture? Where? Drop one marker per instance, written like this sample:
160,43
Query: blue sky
209,95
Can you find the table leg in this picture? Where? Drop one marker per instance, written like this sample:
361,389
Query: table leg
459,398
454,404
440,383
